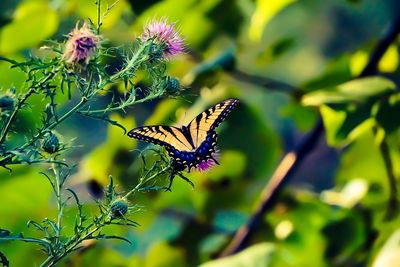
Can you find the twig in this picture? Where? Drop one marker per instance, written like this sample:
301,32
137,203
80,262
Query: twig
393,203
21,102
294,158
271,84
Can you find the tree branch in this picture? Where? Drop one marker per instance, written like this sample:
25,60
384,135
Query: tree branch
393,204
292,160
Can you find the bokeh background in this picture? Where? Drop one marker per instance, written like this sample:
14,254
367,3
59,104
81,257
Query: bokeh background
267,53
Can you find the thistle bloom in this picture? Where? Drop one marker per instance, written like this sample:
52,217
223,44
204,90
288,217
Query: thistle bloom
81,45
207,164
163,34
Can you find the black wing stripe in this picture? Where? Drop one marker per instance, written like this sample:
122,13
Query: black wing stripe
169,130
210,119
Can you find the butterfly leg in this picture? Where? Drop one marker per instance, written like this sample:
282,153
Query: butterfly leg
171,179
216,162
186,179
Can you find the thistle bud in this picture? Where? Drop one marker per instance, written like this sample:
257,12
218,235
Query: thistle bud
81,45
155,52
119,208
6,103
51,144
171,85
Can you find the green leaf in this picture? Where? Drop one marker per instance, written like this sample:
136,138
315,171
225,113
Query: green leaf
259,255
33,17
212,244
345,235
265,11
363,160
344,127
353,91
390,60
390,252
358,61
336,72
228,221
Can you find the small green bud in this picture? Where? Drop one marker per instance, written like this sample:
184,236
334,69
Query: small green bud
51,144
119,208
6,102
171,85
155,52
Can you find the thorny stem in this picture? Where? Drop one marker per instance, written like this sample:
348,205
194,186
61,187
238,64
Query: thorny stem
143,181
120,107
43,131
393,204
132,64
93,227
52,260
98,3
21,103
58,188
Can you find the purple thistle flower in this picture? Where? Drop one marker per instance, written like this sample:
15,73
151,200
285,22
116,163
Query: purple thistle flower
165,35
207,164
81,45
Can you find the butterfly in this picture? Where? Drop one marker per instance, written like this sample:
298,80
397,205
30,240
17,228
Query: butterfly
190,146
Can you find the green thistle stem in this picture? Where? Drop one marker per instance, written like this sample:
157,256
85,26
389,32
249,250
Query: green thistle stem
54,259
43,131
21,102
145,180
133,64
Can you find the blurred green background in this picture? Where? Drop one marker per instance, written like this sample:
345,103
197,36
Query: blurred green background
267,53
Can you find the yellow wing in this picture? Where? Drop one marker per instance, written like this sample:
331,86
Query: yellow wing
208,120
169,137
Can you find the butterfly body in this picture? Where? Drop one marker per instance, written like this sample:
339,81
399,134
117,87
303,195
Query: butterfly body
191,159
190,146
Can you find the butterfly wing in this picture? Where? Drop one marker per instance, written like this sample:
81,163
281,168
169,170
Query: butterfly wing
206,122
192,144
172,138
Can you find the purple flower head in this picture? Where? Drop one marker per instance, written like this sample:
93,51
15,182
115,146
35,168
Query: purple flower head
165,35
81,45
207,164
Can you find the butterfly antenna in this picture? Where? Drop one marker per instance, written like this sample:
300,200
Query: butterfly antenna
216,161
